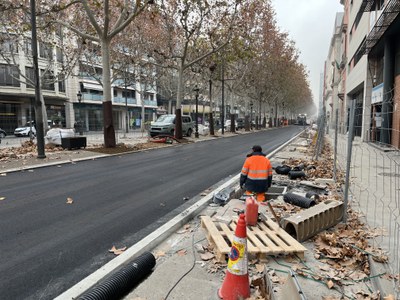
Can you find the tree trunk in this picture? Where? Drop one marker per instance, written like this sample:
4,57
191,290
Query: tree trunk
211,121
247,123
178,110
233,129
109,131
178,123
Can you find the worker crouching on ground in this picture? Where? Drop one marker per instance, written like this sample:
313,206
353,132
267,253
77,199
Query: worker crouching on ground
256,175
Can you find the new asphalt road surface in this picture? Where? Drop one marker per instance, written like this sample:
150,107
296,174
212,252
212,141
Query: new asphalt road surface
48,245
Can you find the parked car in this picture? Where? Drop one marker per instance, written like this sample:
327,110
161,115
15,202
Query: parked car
165,124
3,134
240,123
28,129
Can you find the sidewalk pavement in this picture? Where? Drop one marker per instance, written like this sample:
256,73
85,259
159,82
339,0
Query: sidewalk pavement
13,160
184,269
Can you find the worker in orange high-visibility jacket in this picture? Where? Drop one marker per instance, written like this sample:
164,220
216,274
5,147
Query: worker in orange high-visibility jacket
256,175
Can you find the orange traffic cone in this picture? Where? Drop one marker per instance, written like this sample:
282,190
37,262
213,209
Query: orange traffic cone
236,284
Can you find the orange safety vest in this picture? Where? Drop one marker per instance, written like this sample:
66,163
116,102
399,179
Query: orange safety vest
256,175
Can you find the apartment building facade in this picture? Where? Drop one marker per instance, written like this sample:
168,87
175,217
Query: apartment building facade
369,53
68,100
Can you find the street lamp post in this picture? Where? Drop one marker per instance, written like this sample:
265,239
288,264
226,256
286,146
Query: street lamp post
79,95
126,104
196,134
211,118
251,115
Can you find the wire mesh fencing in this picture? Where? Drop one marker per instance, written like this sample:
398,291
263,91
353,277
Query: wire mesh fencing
372,165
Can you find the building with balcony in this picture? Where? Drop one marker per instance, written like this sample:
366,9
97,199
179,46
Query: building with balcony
63,106
367,70
17,92
332,72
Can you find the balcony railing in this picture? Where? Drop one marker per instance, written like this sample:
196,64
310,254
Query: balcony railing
150,102
91,97
122,100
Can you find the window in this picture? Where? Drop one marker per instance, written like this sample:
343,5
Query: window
28,47
59,55
115,93
47,80
379,4
149,96
61,86
30,75
59,31
9,76
128,94
8,43
44,50
359,53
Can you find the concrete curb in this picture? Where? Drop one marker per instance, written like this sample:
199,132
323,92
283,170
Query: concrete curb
153,239
56,163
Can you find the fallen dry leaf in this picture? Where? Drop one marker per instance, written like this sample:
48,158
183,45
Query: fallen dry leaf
117,251
185,229
260,268
70,200
182,252
207,256
330,284
159,253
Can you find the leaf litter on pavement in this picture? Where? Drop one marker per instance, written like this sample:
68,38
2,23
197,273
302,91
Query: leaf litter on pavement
117,251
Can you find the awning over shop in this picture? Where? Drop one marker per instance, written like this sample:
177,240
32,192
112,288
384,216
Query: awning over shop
92,86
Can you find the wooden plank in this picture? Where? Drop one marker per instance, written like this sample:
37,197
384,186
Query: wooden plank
229,234
256,241
284,236
266,238
270,245
251,247
272,235
215,235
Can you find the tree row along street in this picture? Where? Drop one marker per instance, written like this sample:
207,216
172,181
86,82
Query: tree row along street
47,245
232,53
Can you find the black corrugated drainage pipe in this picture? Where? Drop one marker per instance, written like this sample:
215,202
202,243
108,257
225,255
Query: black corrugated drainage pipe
296,174
283,170
312,195
298,200
120,283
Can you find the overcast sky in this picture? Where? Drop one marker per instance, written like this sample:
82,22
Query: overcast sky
310,24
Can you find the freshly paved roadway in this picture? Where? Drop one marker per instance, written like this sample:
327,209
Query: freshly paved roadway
46,245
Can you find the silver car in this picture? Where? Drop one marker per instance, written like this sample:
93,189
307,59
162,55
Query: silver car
165,124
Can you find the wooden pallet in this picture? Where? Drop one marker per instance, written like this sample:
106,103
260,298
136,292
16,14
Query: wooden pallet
267,238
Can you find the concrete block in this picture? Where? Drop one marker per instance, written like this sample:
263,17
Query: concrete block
275,191
324,181
309,222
